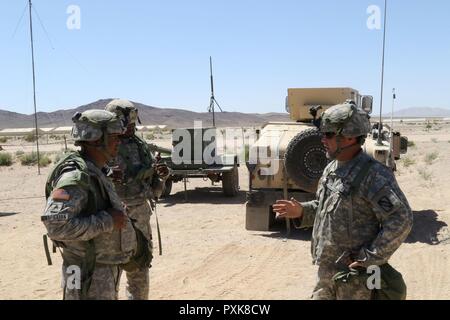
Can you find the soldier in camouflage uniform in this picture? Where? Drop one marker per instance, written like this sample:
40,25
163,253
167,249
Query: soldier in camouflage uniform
84,216
139,179
360,217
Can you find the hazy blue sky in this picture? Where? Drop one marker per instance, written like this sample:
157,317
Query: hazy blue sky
157,52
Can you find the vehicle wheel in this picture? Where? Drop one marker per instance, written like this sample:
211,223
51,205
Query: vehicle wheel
230,182
167,188
305,159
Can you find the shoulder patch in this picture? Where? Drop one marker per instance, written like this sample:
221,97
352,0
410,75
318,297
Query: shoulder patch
60,195
385,204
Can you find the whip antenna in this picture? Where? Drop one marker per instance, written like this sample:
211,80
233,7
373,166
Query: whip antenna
213,100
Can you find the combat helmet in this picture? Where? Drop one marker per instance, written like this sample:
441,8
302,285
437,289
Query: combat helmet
345,120
124,109
94,125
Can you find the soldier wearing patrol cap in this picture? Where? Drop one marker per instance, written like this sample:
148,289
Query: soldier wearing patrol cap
84,216
139,180
360,216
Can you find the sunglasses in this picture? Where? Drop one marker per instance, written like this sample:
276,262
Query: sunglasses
329,135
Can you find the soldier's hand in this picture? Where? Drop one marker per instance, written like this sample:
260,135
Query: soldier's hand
288,209
162,170
117,174
119,218
158,156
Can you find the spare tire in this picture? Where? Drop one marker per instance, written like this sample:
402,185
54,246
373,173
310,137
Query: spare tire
305,159
230,182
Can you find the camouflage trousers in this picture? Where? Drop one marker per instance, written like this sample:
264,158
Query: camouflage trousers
328,289
104,284
138,282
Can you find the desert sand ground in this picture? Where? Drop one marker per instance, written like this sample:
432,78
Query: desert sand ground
208,254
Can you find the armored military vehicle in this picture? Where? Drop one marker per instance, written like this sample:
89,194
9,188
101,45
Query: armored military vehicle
293,154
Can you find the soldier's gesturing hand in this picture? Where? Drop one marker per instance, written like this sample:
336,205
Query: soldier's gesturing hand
118,218
288,209
162,170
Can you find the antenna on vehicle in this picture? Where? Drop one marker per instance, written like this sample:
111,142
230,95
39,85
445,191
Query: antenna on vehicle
34,87
379,140
213,100
391,130
394,96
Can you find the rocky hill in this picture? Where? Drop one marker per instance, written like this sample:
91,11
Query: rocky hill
178,118
174,118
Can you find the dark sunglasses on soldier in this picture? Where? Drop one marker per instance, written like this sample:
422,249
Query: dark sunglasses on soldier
328,135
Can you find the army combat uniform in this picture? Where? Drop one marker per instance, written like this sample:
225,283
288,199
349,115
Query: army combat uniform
138,187
369,223
79,193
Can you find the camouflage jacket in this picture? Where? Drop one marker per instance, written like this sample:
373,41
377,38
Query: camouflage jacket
78,195
371,222
139,179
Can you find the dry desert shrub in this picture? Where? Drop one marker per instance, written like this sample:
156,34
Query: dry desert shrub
407,162
430,157
425,175
31,159
30,138
55,137
5,159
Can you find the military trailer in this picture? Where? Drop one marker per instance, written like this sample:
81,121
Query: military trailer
300,158
189,159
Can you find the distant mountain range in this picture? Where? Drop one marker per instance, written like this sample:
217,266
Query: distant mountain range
174,118
420,113
178,118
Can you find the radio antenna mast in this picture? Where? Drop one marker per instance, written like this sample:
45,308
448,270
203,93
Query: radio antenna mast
382,75
34,87
213,100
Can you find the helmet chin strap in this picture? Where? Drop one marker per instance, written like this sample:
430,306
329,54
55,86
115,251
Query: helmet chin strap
339,149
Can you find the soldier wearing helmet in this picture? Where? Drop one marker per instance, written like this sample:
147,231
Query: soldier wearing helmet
360,216
139,180
349,125
84,216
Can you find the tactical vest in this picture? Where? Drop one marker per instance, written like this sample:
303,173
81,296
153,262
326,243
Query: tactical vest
72,160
